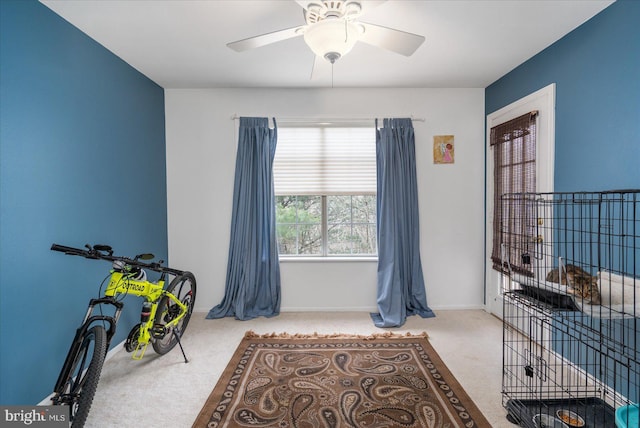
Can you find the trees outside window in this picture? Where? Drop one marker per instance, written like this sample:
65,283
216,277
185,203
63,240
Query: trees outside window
326,225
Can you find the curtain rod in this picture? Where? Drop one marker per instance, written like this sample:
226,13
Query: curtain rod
333,119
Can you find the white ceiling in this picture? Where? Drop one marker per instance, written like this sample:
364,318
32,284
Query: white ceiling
182,43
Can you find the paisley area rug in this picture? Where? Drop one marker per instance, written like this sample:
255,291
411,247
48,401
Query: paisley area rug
304,381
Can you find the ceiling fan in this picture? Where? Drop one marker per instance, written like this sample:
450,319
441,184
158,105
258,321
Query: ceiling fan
332,29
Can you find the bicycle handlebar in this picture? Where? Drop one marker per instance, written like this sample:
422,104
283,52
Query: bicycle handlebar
104,252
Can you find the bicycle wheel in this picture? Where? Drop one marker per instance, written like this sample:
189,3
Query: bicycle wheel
184,288
81,382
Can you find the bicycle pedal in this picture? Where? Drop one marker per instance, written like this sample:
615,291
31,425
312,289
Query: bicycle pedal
139,351
158,331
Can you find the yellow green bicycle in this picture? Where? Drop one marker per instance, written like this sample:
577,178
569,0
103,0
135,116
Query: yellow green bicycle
163,320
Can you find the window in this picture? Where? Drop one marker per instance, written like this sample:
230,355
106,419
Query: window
514,146
325,185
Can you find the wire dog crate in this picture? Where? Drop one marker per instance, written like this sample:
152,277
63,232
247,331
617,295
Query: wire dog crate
571,289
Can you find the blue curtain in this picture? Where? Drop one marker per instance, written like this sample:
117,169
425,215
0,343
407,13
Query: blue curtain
401,290
252,287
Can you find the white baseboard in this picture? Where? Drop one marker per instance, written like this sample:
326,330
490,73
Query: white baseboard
375,309
459,308
329,309
360,308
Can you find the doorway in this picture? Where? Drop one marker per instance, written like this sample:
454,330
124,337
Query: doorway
543,101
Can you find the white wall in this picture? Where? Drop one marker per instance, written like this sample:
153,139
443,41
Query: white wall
201,149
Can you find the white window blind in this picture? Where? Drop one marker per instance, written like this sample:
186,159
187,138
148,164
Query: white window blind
323,160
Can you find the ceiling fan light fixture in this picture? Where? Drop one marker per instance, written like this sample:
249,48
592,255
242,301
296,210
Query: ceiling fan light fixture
331,38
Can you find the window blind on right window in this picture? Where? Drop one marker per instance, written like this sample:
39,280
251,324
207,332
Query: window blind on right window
514,147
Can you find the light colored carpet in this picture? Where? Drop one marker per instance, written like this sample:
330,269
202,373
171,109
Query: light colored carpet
163,391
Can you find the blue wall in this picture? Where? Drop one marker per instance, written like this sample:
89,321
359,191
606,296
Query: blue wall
82,160
619,367
596,69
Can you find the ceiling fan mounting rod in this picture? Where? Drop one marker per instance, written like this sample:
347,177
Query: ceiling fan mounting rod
332,9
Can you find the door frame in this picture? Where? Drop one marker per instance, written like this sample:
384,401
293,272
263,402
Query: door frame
544,101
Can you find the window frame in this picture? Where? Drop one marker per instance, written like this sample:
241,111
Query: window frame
324,196
515,172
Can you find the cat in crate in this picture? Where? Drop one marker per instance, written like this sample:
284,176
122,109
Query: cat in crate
581,283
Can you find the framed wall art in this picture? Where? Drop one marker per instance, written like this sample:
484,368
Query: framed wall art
443,149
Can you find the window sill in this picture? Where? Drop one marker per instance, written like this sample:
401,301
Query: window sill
315,259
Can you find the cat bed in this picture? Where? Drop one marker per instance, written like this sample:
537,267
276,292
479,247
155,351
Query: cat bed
620,296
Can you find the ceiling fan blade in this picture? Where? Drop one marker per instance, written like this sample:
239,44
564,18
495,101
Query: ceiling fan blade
394,40
266,39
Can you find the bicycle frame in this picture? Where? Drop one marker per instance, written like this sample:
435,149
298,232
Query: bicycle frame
123,283
124,280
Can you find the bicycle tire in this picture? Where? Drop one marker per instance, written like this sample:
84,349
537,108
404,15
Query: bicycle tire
81,381
184,288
